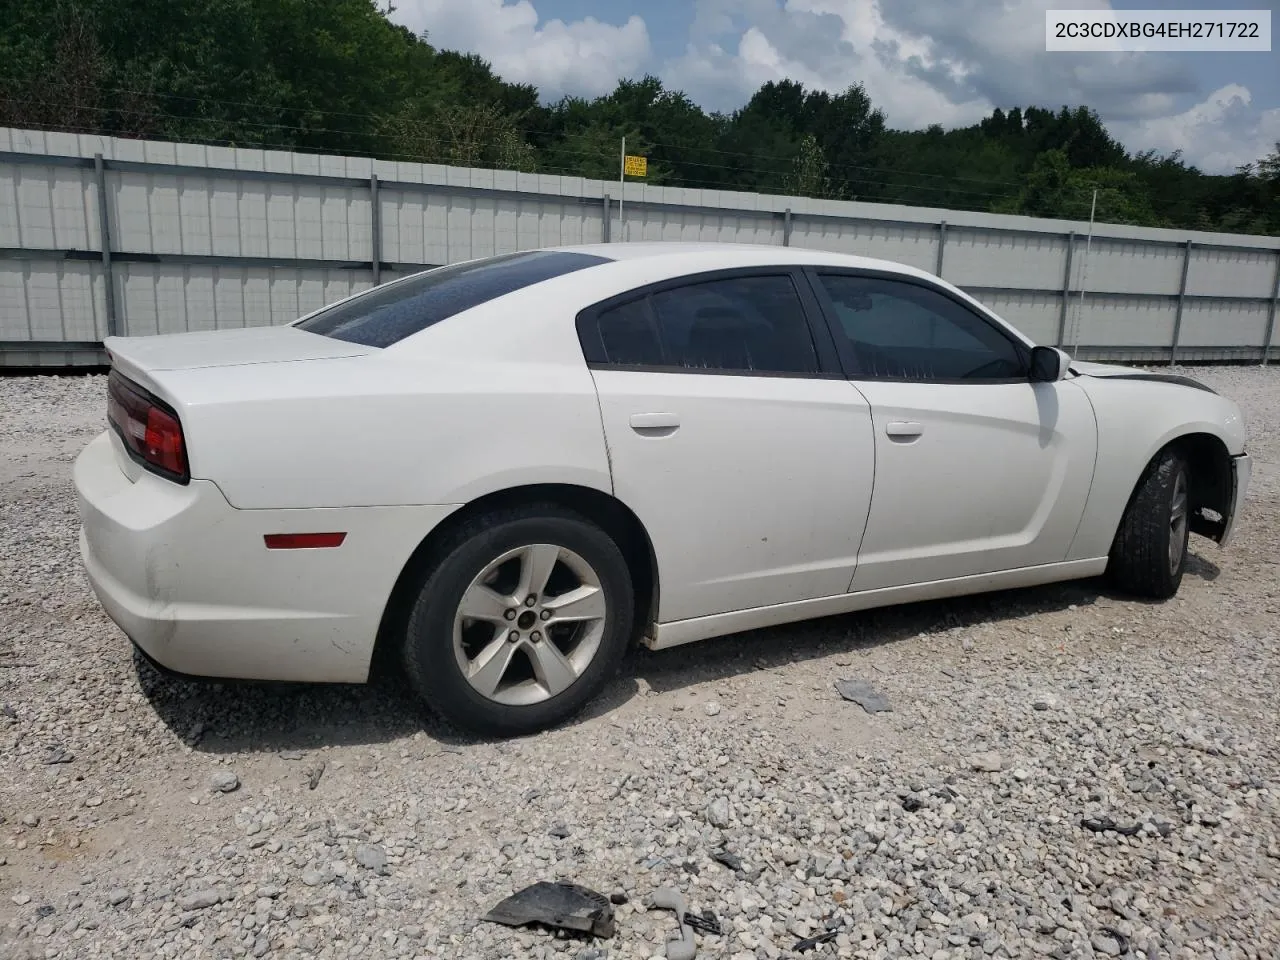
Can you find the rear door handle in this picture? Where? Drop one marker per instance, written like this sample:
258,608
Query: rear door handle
655,424
904,429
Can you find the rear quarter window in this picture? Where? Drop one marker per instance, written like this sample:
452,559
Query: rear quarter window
388,314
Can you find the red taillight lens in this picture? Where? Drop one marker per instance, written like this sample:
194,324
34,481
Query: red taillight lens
149,430
162,444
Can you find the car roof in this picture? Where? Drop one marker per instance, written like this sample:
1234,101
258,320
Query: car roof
712,255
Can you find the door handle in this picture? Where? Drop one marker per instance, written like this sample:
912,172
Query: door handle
655,424
904,429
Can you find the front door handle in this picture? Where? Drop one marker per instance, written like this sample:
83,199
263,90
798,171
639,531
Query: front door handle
904,429
655,424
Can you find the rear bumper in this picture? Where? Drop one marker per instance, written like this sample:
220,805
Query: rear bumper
1241,472
189,579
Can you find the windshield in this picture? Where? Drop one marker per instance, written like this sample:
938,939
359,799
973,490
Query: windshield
389,314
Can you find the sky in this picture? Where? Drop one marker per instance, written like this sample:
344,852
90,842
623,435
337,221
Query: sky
921,61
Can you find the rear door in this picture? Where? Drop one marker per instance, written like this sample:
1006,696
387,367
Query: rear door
978,469
734,437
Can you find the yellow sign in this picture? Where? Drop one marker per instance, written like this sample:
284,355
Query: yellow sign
635,166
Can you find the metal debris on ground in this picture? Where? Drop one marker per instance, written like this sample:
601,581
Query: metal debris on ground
681,946
730,860
566,906
1103,824
863,694
706,922
808,943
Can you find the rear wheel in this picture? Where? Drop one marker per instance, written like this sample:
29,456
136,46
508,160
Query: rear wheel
521,621
1150,549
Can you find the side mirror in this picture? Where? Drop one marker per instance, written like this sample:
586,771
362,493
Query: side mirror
1049,364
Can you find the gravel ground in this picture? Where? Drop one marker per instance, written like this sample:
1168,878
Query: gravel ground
143,817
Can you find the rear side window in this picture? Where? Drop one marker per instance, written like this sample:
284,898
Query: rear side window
389,314
749,324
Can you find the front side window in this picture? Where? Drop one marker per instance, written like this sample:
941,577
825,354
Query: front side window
747,324
905,331
388,314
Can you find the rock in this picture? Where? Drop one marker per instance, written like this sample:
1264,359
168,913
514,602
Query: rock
718,812
712,709
559,831
313,877
1107,943
371,857
224,781
118,896
990,762
21,899
30,820
261,947
199,900
863,694
966,644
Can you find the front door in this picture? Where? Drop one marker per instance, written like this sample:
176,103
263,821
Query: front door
978,469
747,458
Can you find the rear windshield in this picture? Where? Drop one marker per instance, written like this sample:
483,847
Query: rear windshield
390,314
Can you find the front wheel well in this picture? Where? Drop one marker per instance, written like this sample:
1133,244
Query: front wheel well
602,509
1209,469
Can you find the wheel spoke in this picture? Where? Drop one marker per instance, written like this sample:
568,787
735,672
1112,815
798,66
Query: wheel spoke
484,603
490,665
536,563
583,603
554,672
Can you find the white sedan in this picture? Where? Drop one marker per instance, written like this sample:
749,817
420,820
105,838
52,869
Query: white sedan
505,471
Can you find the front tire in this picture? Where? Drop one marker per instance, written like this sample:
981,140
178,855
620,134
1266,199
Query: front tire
521,621
1149,553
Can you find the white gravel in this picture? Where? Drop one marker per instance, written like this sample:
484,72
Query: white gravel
949,826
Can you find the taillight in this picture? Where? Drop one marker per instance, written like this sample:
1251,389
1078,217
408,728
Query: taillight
148,427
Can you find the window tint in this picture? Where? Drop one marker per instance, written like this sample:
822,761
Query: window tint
739,324
630,336
389,314
905,331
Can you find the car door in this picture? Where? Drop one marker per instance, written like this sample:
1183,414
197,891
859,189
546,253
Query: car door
734,437
978,469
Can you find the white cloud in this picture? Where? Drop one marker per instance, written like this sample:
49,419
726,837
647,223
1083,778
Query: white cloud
1218,134
924,61
921,61
585,57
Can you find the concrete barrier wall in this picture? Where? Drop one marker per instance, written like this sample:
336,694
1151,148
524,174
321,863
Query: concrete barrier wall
203,237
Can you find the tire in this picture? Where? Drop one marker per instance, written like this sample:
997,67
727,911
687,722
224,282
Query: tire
1149,553
469,670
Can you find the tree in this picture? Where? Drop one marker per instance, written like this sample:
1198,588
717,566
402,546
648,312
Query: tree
338,76
808,177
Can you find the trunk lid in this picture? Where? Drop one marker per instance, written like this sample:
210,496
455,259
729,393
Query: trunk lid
225,348
147,360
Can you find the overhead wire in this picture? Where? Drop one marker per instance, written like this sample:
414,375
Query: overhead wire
895,191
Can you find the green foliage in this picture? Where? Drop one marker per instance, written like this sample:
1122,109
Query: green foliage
337,76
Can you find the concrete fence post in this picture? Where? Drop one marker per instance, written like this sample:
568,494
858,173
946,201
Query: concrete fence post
1182,296
1271,313
104,231
375,225
1066,291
